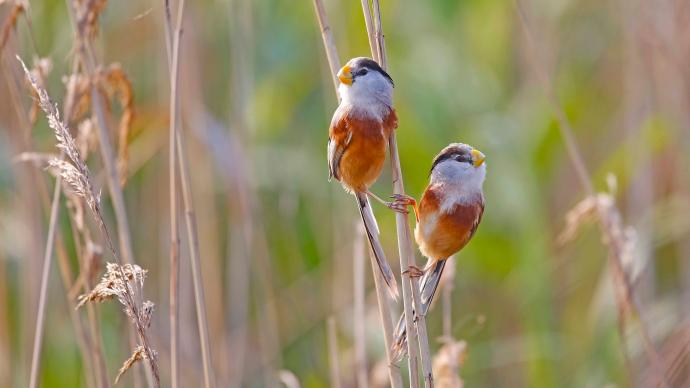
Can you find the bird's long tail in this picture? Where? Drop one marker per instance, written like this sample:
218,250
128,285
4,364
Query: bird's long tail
372,231
428,285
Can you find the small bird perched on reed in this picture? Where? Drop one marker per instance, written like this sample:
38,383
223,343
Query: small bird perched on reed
448,214
357,142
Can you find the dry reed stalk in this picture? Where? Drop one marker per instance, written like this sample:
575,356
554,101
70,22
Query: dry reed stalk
88,61
381,293
195,259
359,290
333,359
5,343
172,179
446,285
90,10
40,319
76,175
177,155
607,216
418,341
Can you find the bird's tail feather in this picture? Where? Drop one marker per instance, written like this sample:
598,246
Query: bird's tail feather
373,236
428,286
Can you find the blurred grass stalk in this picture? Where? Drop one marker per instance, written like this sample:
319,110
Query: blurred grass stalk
177,155
606,216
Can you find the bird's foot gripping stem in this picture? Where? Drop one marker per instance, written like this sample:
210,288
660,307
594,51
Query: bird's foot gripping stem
414,272
401,202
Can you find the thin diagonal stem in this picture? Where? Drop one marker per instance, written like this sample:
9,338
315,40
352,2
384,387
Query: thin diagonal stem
40,319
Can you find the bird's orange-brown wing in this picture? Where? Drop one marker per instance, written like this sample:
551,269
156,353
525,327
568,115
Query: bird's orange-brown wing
339,137
390,123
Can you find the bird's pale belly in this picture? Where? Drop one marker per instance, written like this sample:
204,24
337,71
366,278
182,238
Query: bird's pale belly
441,235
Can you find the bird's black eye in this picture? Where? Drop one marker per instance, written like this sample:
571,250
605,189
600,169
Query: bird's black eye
363,72
463,158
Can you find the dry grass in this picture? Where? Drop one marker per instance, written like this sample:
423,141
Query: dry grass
77,175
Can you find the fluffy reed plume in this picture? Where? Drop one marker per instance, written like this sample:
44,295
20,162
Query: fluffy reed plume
447,363
86,137
593,208
11,21
114,285
41,69
76,174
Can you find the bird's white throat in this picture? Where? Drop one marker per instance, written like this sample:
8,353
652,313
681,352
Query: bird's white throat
461,183
370,96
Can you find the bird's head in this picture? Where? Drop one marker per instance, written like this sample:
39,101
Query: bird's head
460,163
362,80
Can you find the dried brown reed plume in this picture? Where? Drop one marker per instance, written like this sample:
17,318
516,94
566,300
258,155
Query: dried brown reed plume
10,22
447,363
117,85
76,174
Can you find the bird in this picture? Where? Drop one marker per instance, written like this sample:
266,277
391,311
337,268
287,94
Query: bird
358,141
447,217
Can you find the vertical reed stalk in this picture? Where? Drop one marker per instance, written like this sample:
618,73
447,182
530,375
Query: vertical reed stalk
381,293
333,358
172,165
194,255
418,342
89,64
177,155
359,289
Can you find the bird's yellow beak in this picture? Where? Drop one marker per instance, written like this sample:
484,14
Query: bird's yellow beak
477,157
345,75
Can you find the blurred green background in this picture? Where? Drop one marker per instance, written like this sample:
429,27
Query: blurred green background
277,238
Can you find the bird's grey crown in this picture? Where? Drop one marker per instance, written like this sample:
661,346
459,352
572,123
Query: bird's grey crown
360,63
457,151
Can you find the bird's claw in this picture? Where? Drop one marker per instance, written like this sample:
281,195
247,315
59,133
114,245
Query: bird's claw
413,272
400,203
397,207
403,199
